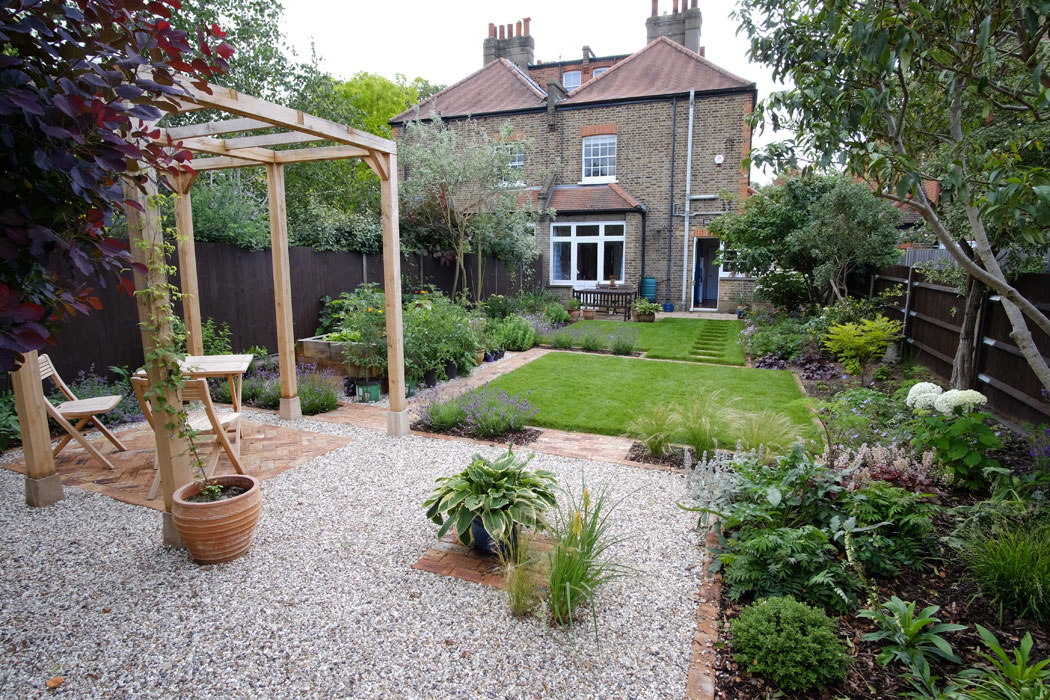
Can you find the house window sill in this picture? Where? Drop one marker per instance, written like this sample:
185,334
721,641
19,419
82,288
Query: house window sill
597,181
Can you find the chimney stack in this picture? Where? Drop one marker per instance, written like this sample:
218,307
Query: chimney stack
512,41
680,27
656,8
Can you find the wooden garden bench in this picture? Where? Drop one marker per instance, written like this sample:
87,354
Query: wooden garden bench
609,300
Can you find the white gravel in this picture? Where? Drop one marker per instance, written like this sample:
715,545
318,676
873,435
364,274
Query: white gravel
325,604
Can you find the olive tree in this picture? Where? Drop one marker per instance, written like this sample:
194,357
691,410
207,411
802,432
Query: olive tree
881,85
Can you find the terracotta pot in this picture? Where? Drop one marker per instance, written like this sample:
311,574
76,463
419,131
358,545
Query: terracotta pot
481,357
218,531
589,314
574,314
643,318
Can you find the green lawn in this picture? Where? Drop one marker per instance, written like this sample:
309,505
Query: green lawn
602,394
694,340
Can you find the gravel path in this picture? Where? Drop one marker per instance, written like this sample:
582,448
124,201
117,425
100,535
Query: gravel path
325,604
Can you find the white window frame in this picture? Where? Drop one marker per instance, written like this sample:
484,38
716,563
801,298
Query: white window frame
517,155
573,239
565,79
596,141
598,71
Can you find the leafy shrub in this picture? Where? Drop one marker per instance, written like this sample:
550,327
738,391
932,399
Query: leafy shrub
883,373
784,289
857,344
318,393
555,314
562,340
655,429
215,337
498,306
790,644
961,443
440,414
894,464
488,413
866,416
1007,678
9,428
579,561
798,562
622,341
770,362
787,336
644,307
517,333
592,339
814,366
909,637
321,226
1011,564
902,525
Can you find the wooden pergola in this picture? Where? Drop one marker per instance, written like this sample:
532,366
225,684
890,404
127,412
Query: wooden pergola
43,486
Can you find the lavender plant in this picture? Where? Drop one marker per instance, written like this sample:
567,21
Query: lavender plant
488,412
623,340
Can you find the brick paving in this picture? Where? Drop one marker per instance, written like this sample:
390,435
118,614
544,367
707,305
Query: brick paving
450,558
266,451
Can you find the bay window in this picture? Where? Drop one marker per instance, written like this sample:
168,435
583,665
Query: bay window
586,252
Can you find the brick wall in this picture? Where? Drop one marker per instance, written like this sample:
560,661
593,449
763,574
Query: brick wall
643,169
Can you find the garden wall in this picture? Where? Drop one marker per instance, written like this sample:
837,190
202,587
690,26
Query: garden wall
236,286
932,313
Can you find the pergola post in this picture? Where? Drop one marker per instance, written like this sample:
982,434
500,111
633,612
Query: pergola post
147,247
43,485
181,183
282,291
397,418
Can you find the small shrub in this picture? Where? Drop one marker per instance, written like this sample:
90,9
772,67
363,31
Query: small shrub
909,637
556,315
1011,564
622,342
215,337
562,340
883,373
592,339
790,644
440,414
814,366
318,392
784,289
860,343
517,333
644,307
488,413
902,522
89,385
770,429
579,561
770,362
961,442
655,429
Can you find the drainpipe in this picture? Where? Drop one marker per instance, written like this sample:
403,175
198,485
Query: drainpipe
670,202
644,212
688,192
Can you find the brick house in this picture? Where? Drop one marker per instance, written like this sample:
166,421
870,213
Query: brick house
611,154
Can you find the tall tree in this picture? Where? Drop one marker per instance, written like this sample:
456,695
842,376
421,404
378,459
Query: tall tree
82,85
881,84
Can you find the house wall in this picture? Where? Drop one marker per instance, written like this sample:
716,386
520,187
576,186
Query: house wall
643,150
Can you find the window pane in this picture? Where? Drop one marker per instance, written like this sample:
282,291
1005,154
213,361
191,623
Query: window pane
587,262
561,260
560,231
613,260
599,156
587,230
571,80
614,230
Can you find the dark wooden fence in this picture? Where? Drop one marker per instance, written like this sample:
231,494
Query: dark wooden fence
931,314
236,286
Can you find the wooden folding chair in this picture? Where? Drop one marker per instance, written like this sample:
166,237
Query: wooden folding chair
83,411
221,430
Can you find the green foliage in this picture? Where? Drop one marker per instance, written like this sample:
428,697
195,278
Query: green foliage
230,207
215,337
866,416
555,314
442,415
901,522
784,289
644,307
562,340
787,337
862,342
883,373
517,333
1008,676
502,492
790,644
518,564
655,429
709,414
322,226
580,561
9,428
592,339
962,442
907,637
767,429
1011,564
622,343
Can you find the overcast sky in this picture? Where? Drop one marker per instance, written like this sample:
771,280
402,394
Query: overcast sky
441,40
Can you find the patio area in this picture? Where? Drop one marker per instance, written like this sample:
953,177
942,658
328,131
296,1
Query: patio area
326,603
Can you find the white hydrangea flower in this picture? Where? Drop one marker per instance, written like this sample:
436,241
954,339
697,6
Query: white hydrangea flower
967,400
921,395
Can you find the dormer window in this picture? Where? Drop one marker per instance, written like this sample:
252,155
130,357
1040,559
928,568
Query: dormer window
599,158
599,71
570,80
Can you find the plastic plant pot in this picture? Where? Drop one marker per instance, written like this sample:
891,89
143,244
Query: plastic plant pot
430,378
451,371
368,390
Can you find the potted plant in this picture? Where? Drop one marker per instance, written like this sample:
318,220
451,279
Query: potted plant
369,352
489,500
589,314
215,516
644,310
573,307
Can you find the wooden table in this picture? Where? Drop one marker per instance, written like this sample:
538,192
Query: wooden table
232,367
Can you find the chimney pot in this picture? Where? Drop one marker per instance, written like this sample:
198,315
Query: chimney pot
703,51
492,30
501,30
656,8
674,5
510,29
693,4
525,22
517,28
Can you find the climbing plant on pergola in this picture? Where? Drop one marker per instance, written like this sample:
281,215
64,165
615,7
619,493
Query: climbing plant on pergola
212,152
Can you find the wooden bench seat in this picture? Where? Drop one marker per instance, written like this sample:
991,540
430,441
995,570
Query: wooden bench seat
610,300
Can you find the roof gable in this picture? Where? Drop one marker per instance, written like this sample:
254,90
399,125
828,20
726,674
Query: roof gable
663,67
498,87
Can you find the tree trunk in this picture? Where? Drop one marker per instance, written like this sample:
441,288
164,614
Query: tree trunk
964,369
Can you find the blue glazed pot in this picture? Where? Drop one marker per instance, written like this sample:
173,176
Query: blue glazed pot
668,306
485,544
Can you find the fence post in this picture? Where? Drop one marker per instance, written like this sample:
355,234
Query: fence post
907,303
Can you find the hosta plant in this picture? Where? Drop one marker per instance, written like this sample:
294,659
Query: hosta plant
907,637
501,492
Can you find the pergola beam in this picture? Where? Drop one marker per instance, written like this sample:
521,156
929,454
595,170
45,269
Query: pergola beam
272,140
225,126
299,155
207,144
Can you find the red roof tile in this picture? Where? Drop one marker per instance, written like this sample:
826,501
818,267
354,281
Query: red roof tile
661,68
612,197
498,87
